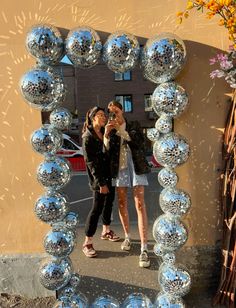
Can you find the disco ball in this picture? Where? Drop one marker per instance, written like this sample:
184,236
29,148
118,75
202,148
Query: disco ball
137,300
69,222
105,301
169,258
83,47
45,43
153,134
43,88
72,286
55,273
51,207
164,124
164,300
171,150
167,177
61,118
46,140
170,99
174,201
159,250
174,279
163,57
169,232
75,301
59,243
54,173
121,52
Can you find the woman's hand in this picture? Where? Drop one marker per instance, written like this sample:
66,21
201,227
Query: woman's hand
104,190
110,126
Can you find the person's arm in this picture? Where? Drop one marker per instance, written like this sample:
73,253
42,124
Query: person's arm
121,132
92,161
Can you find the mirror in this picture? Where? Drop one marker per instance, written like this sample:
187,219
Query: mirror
113,272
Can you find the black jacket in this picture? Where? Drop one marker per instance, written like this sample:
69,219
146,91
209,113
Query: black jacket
96,159
137,147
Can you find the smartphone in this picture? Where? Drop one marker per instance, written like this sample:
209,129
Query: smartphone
111,116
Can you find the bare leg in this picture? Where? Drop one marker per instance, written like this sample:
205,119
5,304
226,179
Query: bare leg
138,192
123,210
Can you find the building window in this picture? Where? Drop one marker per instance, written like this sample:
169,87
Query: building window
125,101
123,76
147,102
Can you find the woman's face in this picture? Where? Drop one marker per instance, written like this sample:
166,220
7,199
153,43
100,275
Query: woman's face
100,118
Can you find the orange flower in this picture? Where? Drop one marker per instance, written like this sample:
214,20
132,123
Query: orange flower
179,14
190,5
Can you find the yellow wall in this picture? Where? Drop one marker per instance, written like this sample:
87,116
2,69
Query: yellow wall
202,124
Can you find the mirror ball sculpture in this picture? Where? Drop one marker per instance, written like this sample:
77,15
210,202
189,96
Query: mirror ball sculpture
43,88
83,47
45,43
121,52
162,58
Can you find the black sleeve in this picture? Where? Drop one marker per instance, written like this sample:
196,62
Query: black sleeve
136,135
93,161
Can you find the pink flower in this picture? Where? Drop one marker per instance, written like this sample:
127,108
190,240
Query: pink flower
212,61
222,57
226,65
217,73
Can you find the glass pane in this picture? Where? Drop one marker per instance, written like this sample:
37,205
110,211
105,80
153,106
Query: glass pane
127,75
118,76
128,106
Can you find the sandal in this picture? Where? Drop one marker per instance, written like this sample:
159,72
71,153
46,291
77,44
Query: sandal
89,251
111,236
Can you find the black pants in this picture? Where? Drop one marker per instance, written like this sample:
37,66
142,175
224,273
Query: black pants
102,205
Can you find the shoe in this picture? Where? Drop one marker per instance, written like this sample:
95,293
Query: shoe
89,251
111,236
126,245
144,259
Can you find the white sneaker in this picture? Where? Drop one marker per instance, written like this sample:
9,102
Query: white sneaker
126,245
144,259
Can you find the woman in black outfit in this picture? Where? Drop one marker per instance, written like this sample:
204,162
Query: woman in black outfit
97,164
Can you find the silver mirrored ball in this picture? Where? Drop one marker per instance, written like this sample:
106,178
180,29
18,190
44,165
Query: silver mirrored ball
174,201
51,207
45,43
174,279
46,140
54,173
121,51
169,232
55,273
83,47
163,57
171,150
170,99
61,118
167,177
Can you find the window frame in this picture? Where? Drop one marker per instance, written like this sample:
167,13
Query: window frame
131,96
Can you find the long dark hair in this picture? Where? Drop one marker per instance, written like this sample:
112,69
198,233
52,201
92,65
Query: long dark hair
88,124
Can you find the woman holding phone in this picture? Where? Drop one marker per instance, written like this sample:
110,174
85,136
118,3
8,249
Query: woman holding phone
125,142
97,160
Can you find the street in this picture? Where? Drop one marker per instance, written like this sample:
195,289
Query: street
80,197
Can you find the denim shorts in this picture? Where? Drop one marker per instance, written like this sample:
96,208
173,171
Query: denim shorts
127,177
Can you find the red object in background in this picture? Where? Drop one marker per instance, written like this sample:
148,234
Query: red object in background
73,152
154,163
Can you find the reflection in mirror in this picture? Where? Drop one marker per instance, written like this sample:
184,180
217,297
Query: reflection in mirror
114,272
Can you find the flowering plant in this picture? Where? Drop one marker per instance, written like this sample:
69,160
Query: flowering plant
224,9
227,63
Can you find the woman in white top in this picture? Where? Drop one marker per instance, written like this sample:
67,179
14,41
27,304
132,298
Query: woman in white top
125,142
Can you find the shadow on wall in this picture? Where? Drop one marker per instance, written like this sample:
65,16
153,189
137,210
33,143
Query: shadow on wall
203,125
